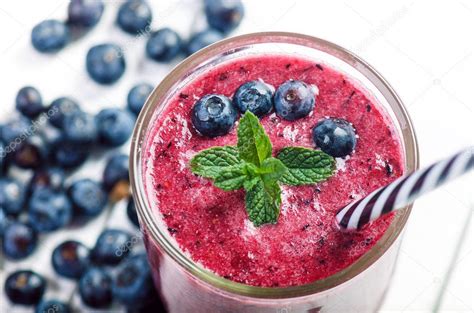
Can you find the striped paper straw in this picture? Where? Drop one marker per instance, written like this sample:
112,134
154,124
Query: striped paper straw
404,190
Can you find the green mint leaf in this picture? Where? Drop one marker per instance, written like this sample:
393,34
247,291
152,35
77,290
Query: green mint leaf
210,162
232,178
262,202
305,166
253,143
272,169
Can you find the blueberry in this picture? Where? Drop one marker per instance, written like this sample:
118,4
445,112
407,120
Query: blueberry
19,240
50,36
88,197
29,102
49,210
132,212
335,136
68,155
4,162
95,288
112,246
254,96
213,115
12,196
70,259
201,40
116,172
60,109
4,222
14,132
224,15
80,128
105,63
52,306
25,287
137,96
47,177
134,16
133,283
163,45
85,13
115,126
294,100
32,153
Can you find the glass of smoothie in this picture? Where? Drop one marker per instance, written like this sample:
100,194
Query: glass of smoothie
205,253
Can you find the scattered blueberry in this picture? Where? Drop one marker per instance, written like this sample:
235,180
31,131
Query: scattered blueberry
50,36
29,102
224,15
32,153
254,96
105,63
14,131
49,210
12,196
132,283
19,240
134,16
68,155
60,109
335,136
70,259
294,100
85,13
95,288
3,158
112,246
214,115
201,40
163,45
25,287
4,221
115,126
137,96
80,128
132,212
52,306
88,197
116,172
47,177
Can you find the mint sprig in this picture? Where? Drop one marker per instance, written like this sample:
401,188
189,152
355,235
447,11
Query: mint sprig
251,166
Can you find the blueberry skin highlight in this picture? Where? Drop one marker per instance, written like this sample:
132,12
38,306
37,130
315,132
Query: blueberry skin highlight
85,13
19,240
29,102
335,136
62,108
25,287
254,96
137,96
12,196
163,45
50,36
213,115
224,15
294,100
87,197
70,259
115,126
134,16
105,63
49,210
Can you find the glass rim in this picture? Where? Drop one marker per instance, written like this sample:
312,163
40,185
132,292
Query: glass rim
146,215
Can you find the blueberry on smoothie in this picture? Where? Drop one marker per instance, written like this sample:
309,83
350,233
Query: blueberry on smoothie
19,240
201,40
137,96
335,136
134,16
88,197
213,115
32,153
85,13
50,306
70,259
116,172
254,96
294,99
95,288
12,195
60,109
115,126
224,15
49,210
80,128
163,45
29,102
112,246
25,287
50,36
105,63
